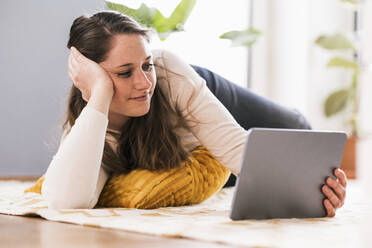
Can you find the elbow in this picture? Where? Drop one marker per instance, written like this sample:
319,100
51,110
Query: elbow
58,204
59,200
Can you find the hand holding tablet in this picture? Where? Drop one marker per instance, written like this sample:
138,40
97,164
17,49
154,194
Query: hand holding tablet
335,190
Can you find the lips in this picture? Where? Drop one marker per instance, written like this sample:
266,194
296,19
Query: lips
139,97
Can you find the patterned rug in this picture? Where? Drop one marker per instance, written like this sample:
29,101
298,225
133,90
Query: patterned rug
208,221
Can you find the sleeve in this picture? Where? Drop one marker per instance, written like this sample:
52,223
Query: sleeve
75,177
215,127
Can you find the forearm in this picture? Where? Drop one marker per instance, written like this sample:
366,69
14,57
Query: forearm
72,176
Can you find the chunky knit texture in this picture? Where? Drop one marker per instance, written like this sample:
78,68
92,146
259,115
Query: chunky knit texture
191,183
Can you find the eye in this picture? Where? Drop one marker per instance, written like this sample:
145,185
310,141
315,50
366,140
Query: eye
147,67
125,74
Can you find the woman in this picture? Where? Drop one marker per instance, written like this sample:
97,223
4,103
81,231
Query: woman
149,106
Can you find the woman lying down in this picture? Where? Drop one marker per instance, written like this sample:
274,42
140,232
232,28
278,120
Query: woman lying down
142,130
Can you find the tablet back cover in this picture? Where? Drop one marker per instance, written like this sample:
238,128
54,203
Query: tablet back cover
283,171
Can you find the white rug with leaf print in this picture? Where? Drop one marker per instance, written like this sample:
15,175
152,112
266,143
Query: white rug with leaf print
208,221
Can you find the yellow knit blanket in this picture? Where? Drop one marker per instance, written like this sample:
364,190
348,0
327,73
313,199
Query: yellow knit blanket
191,183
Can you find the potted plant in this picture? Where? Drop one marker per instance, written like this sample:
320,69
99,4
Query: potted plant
346,98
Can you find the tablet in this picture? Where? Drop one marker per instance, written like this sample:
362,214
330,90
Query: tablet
282,172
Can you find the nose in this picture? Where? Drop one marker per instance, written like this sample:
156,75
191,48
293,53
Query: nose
142,81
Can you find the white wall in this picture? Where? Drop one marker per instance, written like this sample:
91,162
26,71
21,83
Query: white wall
288,67
34,81
288,55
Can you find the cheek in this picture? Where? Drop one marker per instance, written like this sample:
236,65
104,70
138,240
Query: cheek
122,91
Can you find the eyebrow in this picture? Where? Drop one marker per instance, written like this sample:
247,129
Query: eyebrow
129,64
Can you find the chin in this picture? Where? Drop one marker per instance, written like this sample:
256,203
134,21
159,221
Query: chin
139,113
132,110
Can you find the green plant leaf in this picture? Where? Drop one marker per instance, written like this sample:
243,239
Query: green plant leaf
242,38
146,15
180,15
176,20
153,18
341,62
158,21
335,42
336,102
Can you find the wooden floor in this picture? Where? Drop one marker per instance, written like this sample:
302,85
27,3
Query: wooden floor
30,232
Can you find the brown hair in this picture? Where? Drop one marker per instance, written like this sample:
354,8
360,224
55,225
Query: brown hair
146,142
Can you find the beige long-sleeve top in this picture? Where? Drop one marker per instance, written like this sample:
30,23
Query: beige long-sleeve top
75,177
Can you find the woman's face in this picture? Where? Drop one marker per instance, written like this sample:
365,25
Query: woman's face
130,65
